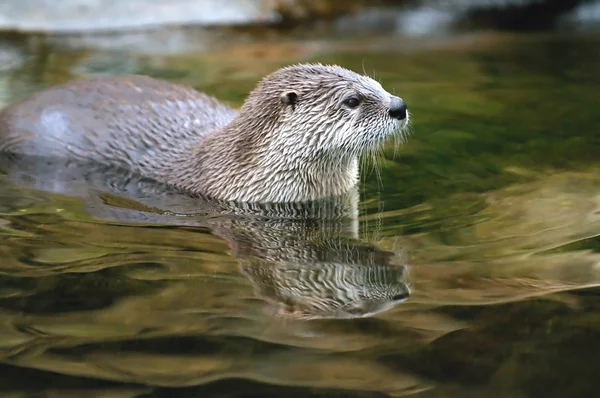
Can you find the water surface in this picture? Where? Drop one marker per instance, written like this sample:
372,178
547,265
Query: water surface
468,266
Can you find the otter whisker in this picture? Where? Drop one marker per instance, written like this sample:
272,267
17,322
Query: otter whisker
374,76
380,162
396,143
373,163
374,155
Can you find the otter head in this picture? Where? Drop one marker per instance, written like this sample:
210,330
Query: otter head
325,111
300,132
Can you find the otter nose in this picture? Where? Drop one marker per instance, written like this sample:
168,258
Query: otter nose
397,108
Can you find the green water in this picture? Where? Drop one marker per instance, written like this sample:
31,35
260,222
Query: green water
473,270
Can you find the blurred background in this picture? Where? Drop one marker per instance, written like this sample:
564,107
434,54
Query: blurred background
51,41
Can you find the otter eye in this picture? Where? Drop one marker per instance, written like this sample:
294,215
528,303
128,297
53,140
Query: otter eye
352,102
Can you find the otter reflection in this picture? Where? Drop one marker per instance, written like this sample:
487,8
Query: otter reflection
329,290
304,259
315,268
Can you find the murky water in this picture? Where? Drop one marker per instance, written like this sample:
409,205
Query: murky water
469,268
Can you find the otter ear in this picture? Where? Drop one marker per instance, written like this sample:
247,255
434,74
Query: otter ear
289,98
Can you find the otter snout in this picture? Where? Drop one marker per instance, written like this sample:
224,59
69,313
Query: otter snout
397,108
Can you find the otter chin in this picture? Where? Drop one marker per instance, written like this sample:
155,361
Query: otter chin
297,137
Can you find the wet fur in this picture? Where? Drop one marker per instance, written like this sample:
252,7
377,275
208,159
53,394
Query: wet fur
272,150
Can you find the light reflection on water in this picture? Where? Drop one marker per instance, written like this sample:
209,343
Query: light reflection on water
482,281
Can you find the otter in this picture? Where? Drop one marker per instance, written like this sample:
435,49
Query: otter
297,136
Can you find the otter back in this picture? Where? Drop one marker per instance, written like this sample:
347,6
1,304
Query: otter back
131,121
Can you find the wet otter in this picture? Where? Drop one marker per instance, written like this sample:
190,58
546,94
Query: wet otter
297,137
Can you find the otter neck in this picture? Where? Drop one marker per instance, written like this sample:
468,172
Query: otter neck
247,162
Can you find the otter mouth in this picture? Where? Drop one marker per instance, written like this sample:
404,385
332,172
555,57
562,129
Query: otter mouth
403,124
401,127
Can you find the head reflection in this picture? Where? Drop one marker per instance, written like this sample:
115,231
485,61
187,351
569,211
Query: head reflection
315,268
326,291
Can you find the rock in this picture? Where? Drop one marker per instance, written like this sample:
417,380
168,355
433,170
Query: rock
584,16
72,16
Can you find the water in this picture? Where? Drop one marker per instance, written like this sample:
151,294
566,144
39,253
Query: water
469,268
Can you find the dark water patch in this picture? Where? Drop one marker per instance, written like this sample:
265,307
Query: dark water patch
240,388
73,292
592,244
18,380
225,346
535,348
